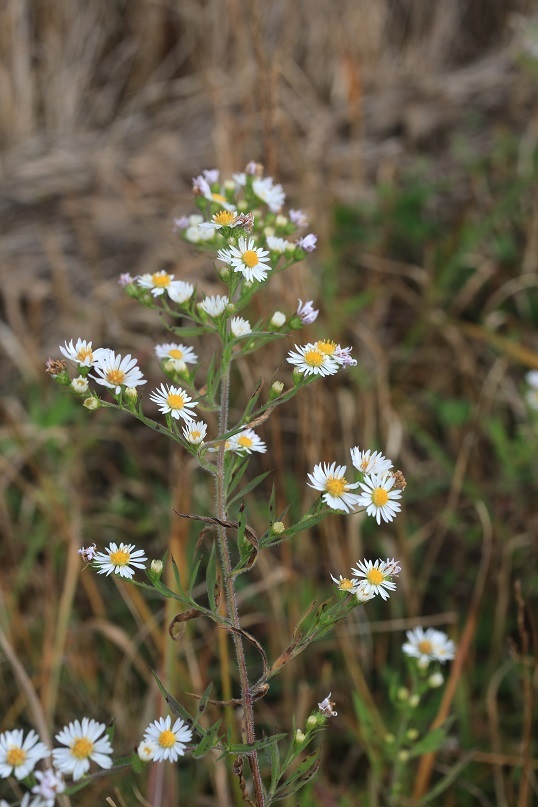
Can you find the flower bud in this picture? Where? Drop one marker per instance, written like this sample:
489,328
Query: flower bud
276,389
312,722
281,220
156,567
277,320
411,734
92,403
389,738
268,231
225,273
299,737
436,680
131,394
80,385
278,527
402,694
403,755
414,701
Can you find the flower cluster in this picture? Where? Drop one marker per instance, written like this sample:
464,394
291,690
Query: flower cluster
380,488
370,579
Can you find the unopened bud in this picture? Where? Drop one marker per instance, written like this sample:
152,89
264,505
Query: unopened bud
299,737
156,567
268,231
277,320
389,738
92,403
281,221
278,527
131,394
276,389
411,734
403,755
414,701
436,680
80,384
402,694
312,722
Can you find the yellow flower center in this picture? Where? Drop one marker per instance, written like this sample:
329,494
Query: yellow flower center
244,441
224,218
326,347
375,577
250,258
81,748
195,436
175,401
314,358
167,739
336,486
380,497
176,353
161,279
15,757
345,584
115,377
218,197
425,646
85,353
120,557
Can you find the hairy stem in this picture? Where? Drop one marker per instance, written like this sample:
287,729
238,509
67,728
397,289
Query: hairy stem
231,600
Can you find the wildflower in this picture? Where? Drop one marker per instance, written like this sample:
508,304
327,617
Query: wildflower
306,312
272,195
211,175
311,361
84,743
343,584
49,784
308,242
277,320
240,326
202,187
54,367
125,279
180,291
18,756
276,244
224,218
343,356
80,384
214,306
146,750
81,352
119,559
298,218
116,372
370,463
378,497
179,353
173,401
87,553
246,258
194,433
363,591
377,575
170,741
246,441
160,282
336,489
326,706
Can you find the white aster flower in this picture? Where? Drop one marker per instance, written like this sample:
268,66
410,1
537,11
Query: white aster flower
310,360
28,801
378,497
246,258
49,784
246,442
81,352
336,489
119,559
224,218
306,312
276,244
240,326
363,591
174,400
344,584
214,305
240,179
273,195
277,320
202,187
180,291
429,645
376,577
146,750
84,743
181,353
19,756
116,372
80,384
170,741
160,282
308,242
368,462
194,433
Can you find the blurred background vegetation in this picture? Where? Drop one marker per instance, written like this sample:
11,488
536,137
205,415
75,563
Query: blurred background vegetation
408,131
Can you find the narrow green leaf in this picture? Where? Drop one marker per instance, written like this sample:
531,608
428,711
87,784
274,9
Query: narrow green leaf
430,742
249,487
176,708
300,777
208,741
258,745
204,699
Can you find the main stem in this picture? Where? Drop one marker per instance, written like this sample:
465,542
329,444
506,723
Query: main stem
231,600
